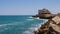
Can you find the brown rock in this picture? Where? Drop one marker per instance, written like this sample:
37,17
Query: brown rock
52,26
44,14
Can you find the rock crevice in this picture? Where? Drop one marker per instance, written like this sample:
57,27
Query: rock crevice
52,26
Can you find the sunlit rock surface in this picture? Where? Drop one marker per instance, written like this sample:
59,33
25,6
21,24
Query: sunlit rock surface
52,26
44,14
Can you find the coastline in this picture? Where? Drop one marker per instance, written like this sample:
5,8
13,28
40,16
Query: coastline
39,25
34,26
51,26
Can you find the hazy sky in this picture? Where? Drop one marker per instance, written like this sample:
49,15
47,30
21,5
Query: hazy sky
27,7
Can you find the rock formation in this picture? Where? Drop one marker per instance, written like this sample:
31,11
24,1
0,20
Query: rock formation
44,14
52,26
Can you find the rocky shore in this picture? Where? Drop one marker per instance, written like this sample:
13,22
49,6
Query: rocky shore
52,26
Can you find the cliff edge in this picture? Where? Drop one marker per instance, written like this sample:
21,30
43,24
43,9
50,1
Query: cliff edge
52,26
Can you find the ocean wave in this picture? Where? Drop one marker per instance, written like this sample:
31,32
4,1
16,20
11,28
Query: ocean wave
27,32
41,19
31,29
34,27
3,29
37,18
2,25
29,19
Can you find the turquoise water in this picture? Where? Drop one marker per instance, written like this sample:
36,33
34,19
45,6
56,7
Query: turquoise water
21,24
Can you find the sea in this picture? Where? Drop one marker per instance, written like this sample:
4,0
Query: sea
19,24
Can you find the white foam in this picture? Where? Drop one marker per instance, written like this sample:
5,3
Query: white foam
31,29
8,24
41,19
27,32
37,18
34,27
39,25
29,19
3,25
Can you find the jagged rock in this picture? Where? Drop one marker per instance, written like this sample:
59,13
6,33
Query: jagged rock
43,11
48,28
44,14
52,26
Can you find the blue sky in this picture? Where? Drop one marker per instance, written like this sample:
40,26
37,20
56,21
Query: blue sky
27,7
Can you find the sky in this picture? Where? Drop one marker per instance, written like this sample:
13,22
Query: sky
28,7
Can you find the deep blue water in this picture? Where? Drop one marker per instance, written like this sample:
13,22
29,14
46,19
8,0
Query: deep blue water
19,24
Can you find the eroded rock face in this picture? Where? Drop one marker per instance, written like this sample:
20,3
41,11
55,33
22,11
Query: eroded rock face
44,14
48,28
52,26
44,11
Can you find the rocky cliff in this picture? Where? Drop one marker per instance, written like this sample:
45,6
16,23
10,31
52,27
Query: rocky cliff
52,26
